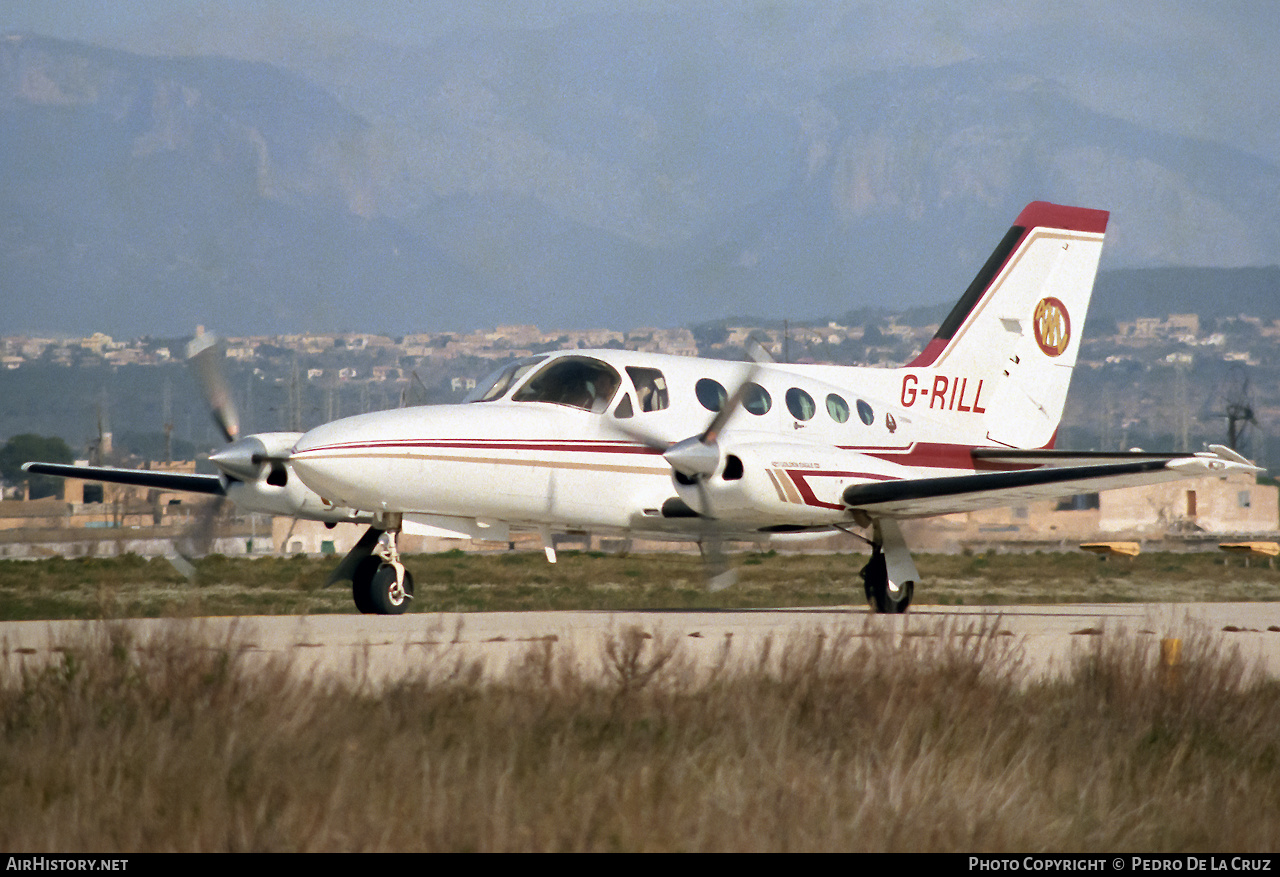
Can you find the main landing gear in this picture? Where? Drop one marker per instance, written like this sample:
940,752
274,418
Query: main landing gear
890,576
380,585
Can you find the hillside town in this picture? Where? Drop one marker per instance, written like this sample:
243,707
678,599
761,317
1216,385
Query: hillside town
1179,365
1179,339
1174,340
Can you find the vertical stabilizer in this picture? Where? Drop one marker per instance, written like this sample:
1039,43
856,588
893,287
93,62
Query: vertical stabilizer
1016,331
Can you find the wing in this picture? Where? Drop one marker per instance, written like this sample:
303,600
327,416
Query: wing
210,484
1015,458
1047,475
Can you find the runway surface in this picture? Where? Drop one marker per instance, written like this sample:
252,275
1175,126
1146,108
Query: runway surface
376,650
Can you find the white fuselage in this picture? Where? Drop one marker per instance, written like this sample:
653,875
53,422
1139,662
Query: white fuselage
491,465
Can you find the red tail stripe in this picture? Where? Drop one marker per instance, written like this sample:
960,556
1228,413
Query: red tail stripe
1042,214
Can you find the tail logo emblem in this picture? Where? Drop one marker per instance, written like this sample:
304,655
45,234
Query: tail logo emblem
1052,326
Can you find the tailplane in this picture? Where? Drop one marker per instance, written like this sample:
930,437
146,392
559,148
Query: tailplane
1008,347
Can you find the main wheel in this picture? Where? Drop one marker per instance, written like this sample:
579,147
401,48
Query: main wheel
389,596
362,584
875,577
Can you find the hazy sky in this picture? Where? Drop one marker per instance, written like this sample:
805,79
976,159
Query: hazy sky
1201,68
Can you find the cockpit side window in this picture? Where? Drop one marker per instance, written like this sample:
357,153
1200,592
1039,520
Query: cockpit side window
651,388
496,385
576,381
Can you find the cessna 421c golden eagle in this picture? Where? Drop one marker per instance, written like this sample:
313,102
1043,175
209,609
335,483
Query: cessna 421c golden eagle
639,444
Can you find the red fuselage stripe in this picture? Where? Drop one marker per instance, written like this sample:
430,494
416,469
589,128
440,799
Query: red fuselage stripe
602,447
799,479
932,455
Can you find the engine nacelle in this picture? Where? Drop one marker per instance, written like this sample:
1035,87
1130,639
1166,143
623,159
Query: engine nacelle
260,479
765,483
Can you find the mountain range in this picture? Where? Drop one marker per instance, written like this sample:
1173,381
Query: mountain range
626,179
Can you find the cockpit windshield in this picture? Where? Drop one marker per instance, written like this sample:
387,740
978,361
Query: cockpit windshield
577,381
496,385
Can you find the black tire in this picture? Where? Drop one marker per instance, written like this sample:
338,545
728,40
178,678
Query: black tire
387,599
899,606
362,584
875,577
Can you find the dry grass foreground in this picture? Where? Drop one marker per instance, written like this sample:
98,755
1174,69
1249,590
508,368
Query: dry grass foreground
133,587
849,742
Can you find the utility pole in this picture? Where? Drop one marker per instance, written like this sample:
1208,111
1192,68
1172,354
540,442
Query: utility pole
295,398
1181,417
167,418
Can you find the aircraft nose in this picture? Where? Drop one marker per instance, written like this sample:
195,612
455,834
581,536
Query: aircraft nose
319,459
308,442
310,445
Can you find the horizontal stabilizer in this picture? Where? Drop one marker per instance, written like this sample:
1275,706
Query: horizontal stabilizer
189,483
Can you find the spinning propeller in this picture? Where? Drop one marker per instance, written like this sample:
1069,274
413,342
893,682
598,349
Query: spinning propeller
205,354
698,458
241,459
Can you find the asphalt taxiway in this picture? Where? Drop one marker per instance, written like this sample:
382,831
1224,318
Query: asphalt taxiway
377,649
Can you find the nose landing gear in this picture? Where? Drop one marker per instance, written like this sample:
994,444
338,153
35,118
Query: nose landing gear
380,585
391,589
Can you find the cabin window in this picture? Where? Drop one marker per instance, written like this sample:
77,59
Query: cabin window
755,399
496,385
800,404
651,388
865,414
575,381
837,408
711,394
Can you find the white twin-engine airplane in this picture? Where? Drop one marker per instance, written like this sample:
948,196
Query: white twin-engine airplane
681,448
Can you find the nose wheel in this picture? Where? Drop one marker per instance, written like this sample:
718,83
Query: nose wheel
391,589
380,585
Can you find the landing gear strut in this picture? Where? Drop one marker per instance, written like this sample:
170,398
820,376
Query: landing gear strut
890,576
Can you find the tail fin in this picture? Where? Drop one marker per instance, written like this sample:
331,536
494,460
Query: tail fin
1017,327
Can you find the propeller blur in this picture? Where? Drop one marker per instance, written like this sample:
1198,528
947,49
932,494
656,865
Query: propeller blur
254,471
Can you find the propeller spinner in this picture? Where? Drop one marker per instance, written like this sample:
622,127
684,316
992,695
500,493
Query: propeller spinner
697,458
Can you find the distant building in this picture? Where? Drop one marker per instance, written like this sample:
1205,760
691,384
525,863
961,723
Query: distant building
1230,506
1194,512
